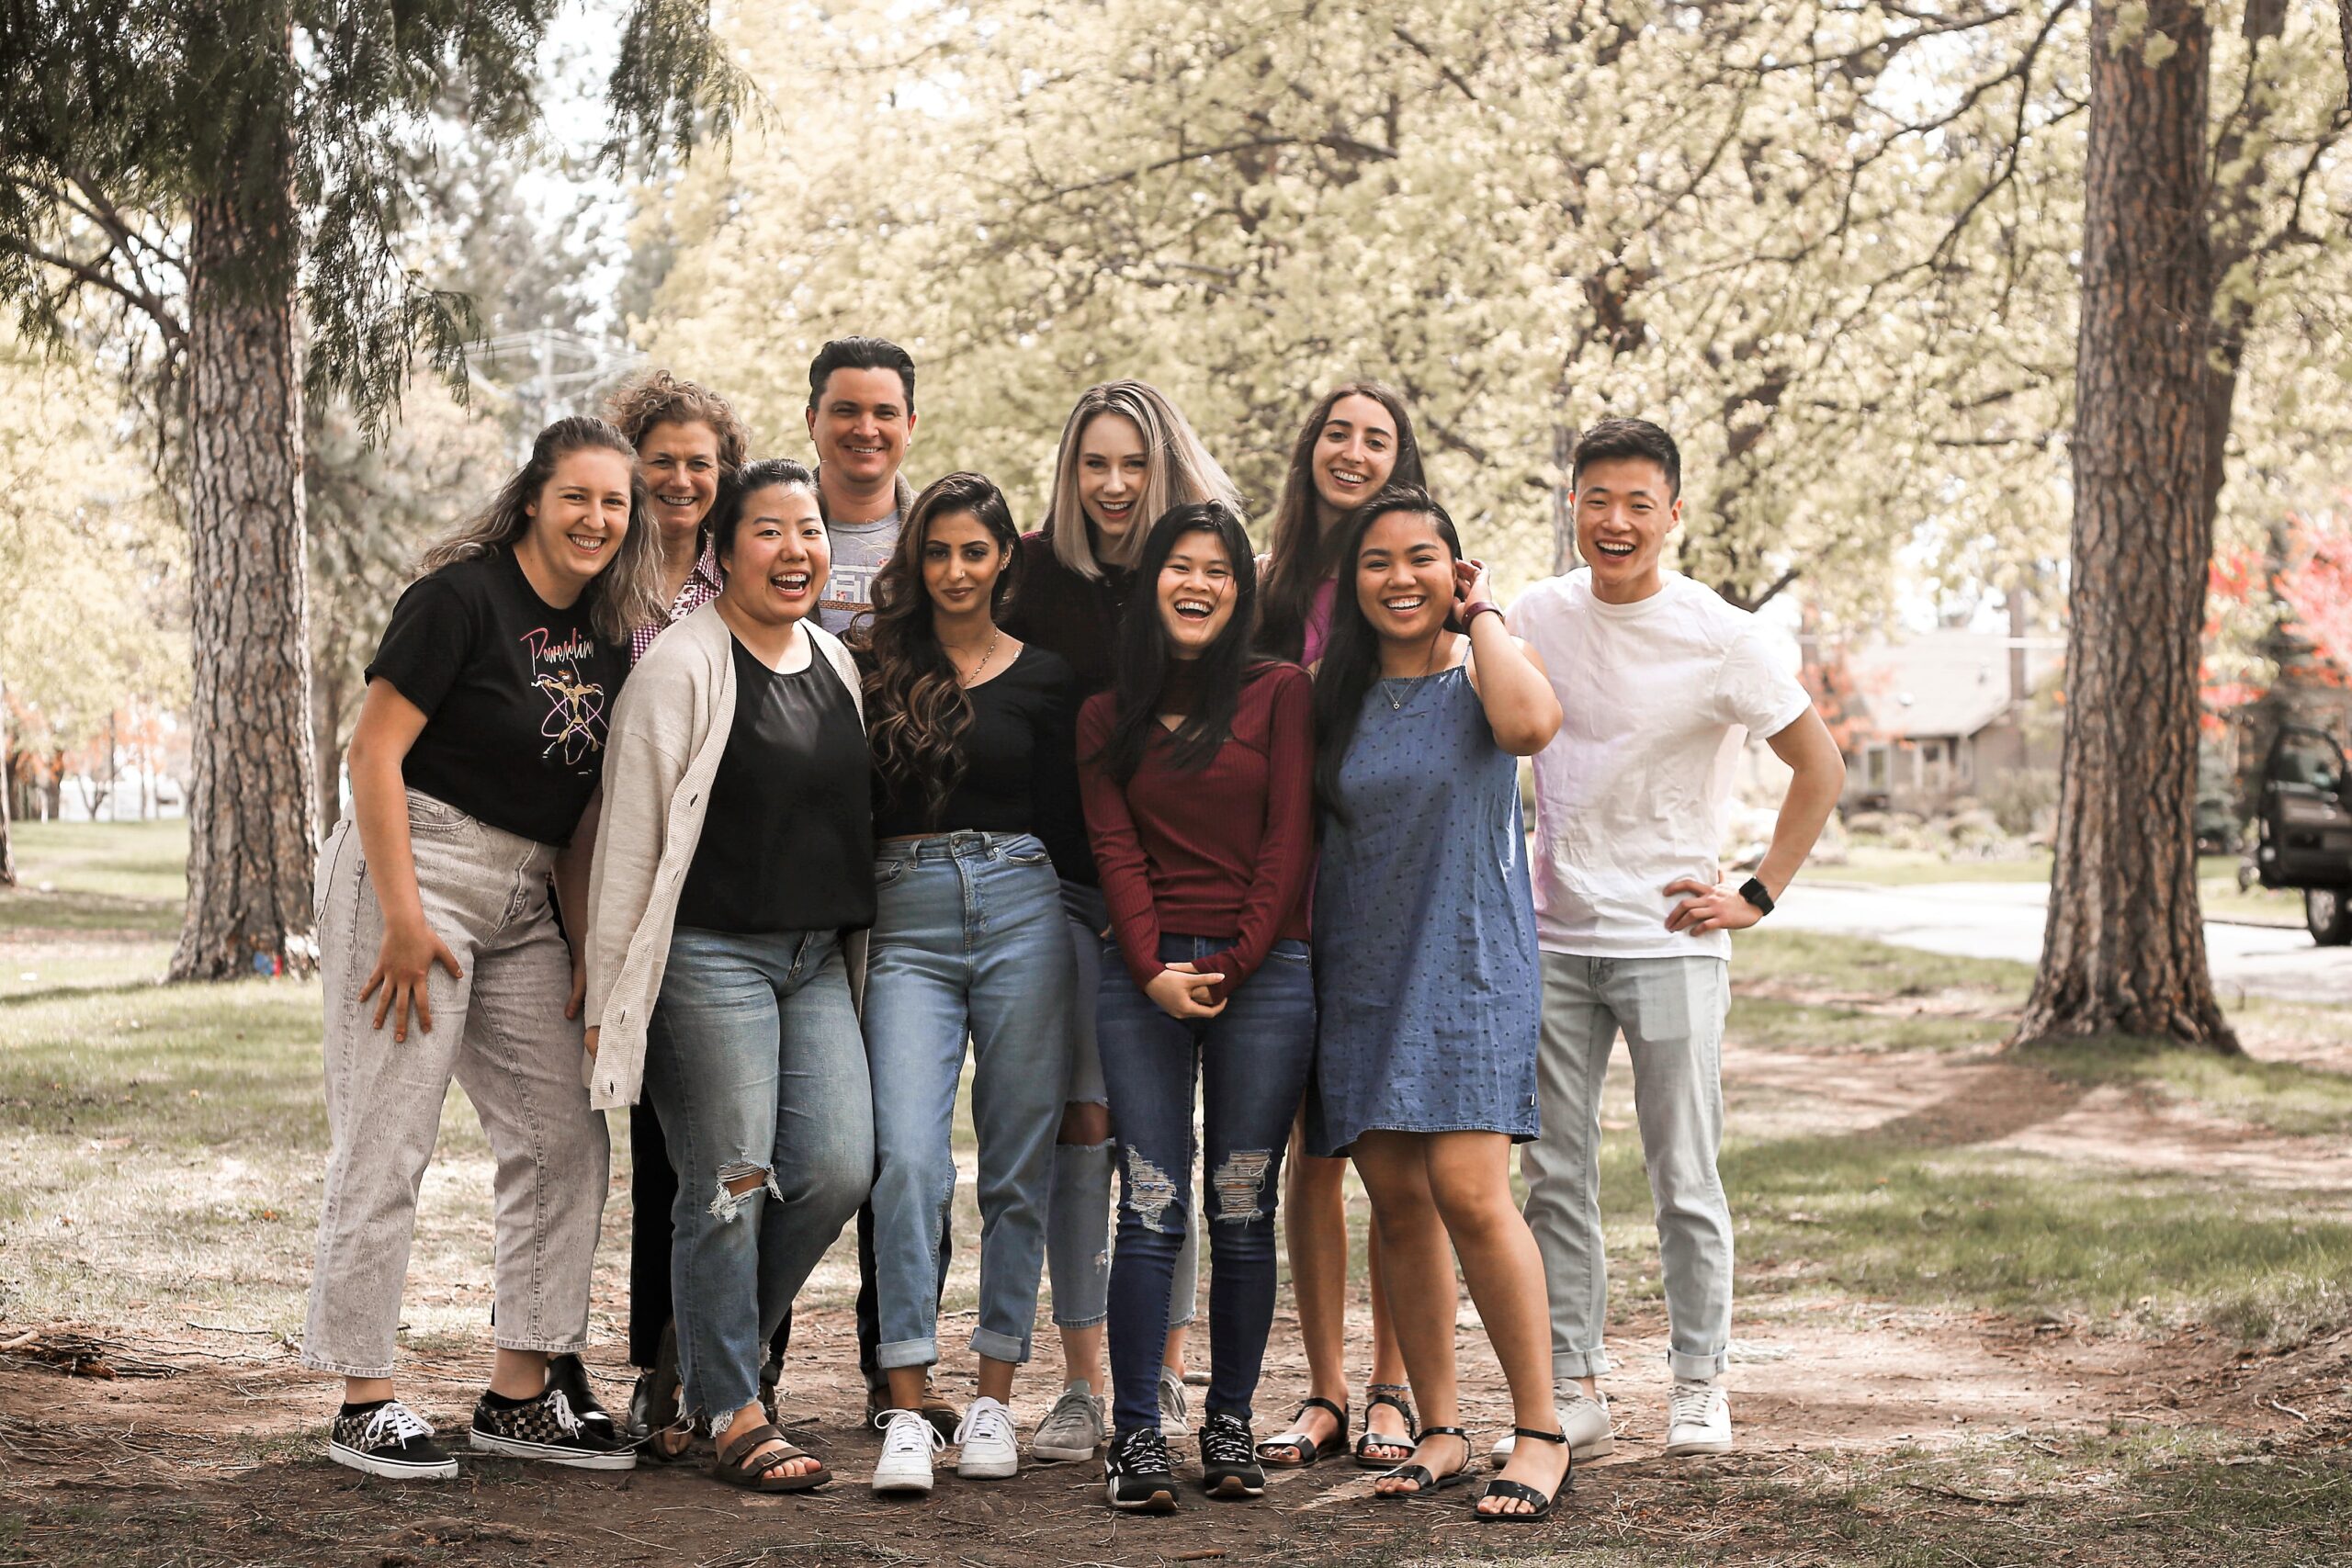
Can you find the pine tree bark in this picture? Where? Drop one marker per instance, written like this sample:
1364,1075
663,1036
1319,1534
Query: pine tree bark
7,788
252,827
2124,949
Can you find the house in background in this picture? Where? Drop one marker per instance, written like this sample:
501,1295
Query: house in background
1944,714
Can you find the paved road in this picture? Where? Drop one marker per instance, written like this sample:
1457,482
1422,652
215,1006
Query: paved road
1997,919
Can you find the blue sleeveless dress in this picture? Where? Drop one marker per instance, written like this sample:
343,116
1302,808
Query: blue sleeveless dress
1426,976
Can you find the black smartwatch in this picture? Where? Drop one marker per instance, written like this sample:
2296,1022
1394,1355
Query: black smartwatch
1753,891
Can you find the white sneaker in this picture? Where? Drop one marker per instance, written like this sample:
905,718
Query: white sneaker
1697,1418
908,1443
990,1449
1586,1421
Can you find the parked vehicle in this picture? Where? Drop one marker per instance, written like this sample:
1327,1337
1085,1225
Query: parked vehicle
2304,830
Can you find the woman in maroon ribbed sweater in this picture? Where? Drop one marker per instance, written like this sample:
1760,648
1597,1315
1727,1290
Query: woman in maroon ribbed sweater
1197,769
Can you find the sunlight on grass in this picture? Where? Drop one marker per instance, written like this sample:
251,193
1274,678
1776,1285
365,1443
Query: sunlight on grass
2285,1097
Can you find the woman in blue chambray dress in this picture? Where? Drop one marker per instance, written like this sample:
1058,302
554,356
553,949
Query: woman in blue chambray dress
1426,977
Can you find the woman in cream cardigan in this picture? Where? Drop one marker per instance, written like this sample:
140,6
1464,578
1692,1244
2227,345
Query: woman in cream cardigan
737,848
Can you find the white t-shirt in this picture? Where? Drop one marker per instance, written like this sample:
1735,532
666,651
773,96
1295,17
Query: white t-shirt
860,552
1635,790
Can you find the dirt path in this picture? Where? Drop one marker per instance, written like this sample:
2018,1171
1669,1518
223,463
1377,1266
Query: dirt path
219,1462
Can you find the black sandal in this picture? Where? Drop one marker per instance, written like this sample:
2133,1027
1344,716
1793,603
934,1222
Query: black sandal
1521,1492
1294,1450
1424,1483
738,1466
1392,1394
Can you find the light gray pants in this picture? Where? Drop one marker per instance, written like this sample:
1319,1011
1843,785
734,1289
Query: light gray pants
501,1031
1671,1011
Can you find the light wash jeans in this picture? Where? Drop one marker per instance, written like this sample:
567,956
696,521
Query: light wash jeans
1671,1011
499,1029
1078,1238
756,1068
969,938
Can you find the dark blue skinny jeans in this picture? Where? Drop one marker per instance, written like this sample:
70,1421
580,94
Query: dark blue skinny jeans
1250,1063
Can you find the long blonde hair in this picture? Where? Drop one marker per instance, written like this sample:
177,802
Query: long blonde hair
1179,472
625,595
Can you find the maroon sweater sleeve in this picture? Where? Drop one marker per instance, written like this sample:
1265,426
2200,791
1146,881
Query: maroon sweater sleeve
1287,842
1118,852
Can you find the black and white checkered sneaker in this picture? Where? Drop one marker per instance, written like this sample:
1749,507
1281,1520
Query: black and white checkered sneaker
392,1440
545,1429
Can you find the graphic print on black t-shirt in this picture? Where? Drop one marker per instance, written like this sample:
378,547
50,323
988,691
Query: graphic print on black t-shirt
517,696
575,724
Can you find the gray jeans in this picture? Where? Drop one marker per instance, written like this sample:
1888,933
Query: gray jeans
501,1033
1671,1011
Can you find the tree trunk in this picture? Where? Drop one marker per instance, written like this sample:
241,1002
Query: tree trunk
7,788
1565,557
252,827
2123,951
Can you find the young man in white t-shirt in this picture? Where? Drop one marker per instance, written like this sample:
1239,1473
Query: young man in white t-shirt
1660,680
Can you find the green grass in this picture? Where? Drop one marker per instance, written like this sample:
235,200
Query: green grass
165,1143
86,879
2284,1096
1874,1215
1856,965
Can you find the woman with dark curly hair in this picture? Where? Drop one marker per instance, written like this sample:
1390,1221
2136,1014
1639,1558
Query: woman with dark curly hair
970,730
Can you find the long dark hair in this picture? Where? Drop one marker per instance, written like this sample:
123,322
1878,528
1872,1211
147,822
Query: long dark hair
916,707
625,595
1302,559
1216,678
1351,657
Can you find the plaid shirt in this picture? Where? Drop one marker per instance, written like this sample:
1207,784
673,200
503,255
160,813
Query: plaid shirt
702,585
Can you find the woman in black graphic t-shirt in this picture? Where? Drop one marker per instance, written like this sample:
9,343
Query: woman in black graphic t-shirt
474,772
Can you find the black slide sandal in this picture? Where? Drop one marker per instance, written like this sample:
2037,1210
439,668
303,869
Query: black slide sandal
1424,1483
1521,1492
1392,1396
1292,1450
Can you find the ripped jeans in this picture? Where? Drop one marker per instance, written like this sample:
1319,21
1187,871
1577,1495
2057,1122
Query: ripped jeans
756,1068
1250,1062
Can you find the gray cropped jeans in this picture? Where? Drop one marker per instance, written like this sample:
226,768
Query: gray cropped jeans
1671,1014
499,1030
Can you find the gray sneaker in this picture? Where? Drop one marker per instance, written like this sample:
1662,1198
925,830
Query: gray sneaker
1175,1408
1074,1428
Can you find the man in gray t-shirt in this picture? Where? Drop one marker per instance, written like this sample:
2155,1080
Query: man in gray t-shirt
862,419
860,551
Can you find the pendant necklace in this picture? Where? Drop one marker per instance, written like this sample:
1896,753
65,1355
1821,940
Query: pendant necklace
974,677
1389,685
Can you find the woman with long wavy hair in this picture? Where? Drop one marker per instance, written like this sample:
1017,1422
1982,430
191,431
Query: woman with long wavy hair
967,727
1196,770
1127,455
474,779
1357,440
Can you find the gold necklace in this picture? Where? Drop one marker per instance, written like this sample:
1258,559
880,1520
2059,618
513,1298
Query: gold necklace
973,679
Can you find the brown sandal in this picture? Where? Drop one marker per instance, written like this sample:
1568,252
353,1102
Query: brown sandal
738,1466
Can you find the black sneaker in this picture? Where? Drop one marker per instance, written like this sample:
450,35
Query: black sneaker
1230,1465
545,1429
568,1375
391,1441
1137,1475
